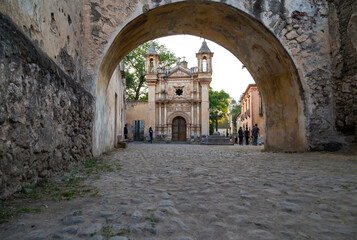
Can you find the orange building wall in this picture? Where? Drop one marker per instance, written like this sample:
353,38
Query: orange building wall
251,109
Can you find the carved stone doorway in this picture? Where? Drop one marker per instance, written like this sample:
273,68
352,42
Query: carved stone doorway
179,129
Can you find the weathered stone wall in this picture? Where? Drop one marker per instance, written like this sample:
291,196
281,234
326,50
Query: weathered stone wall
303,31
53,26
343,29
46,118
100,21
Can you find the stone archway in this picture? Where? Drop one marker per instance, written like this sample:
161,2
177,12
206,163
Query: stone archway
248,39
179,114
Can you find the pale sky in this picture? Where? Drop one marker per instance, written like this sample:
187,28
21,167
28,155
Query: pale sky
227,69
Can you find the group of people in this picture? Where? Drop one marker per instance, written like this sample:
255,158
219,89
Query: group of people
246,134
126,132
241,134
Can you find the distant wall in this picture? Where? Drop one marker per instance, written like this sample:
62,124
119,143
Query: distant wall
136,110
46,118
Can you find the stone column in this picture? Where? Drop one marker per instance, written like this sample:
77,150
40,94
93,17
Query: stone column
198,114
205,108
198,91
192,119
159,131
169,129
165,122
160,89
188,132
150,112
165,112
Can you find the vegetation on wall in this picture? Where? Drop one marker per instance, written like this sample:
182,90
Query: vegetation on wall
136,87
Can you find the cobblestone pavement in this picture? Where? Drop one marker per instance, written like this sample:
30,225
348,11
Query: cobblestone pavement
183,192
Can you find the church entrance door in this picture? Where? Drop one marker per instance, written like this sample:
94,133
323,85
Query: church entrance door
179,129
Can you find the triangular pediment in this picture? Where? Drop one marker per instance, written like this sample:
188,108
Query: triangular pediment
179,72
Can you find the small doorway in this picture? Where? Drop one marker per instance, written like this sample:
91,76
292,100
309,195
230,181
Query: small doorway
139,130
179,129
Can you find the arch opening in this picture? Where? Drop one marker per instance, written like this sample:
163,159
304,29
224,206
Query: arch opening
204,64
245,37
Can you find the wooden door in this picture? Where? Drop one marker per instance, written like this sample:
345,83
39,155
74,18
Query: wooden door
179,129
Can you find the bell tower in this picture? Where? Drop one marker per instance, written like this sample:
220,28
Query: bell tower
204,77
151,60
204,59
151,74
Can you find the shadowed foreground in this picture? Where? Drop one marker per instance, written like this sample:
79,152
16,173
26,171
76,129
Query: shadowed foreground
168,191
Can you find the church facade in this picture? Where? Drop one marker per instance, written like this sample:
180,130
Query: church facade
178,98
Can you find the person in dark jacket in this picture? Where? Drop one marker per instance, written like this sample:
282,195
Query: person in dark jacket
246,135
126,131
150,133
255,133
240,135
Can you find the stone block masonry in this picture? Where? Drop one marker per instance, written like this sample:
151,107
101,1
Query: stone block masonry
45,117
343,25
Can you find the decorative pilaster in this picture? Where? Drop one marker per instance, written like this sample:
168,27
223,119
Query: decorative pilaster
151,110
205,109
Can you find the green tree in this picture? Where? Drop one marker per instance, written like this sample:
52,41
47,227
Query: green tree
235,111
218,101
223,122
136,87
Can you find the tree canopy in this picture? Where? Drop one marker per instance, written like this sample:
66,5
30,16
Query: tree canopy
136,87
235,111
218,101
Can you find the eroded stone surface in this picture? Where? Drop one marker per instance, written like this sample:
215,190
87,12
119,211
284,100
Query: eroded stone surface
220,193
46,118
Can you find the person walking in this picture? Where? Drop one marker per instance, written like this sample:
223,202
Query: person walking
126,131
150,133
255,133
240,135
246,135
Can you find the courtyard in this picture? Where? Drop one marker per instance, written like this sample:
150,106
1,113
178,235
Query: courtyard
183,192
